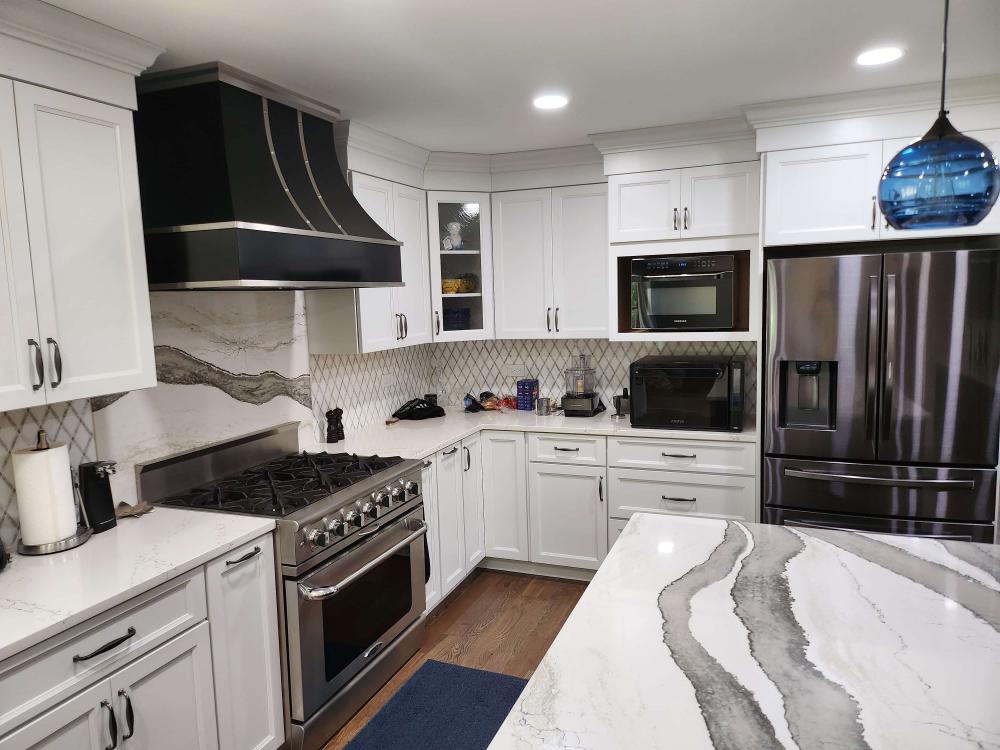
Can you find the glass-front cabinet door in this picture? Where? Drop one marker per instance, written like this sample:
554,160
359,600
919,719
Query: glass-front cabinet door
461,266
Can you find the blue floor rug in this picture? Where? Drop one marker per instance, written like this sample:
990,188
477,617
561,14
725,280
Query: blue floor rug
442,706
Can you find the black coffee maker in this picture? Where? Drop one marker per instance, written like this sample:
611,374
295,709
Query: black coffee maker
95,492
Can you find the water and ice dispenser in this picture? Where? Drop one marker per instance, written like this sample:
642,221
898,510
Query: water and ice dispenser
808,394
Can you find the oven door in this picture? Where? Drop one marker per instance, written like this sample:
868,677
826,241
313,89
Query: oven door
691,301
689,397
341,615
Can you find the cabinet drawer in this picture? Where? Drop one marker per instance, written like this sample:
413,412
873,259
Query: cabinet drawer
41,676
682,455
640,490
567,449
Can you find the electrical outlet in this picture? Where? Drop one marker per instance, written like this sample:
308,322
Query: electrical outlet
516,370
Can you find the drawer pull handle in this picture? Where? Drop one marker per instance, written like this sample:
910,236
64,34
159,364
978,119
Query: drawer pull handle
679,455
451,452
568,450
129,715
600,488
248,556
428,464
679,499
107,647
112,726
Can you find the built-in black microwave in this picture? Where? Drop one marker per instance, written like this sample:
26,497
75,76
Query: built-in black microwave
685,293
688,393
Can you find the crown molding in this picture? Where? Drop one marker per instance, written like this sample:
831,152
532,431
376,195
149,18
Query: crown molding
670,136
46,26
365,138
885,101
452,161
549,158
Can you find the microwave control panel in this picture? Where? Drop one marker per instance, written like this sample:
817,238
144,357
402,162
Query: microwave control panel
676,264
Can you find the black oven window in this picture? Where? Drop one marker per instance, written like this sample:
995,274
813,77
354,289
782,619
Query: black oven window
358,615
696,398
683,300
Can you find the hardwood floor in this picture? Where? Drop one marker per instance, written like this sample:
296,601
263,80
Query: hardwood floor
502,622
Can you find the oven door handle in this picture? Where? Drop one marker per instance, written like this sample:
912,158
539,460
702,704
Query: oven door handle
319,593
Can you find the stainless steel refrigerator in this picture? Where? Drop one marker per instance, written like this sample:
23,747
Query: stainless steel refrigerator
882,400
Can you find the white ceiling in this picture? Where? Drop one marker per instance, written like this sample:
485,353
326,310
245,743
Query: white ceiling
453,76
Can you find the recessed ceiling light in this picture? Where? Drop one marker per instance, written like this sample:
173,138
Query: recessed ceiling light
879,56
550,101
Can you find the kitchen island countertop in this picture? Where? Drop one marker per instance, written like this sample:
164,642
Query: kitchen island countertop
701,633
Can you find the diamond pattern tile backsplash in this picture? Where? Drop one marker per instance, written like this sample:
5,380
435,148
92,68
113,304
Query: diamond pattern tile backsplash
68,422
369,387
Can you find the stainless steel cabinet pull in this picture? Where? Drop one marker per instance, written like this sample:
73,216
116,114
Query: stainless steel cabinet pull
112,725
399,326
129,715
319,593
600,488
56,361
373,649
679,499
248,556
468,458
437,322
568,450
39,365
829,476
675,219
106,647
406,326
873,213
557,320
548,319
687,217
451,452
679,455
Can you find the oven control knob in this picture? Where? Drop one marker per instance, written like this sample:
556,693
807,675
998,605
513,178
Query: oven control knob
354,519
370,510
318,537
412,489
383,500
397,495
337,527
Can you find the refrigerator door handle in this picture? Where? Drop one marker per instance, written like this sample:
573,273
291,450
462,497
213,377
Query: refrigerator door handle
810,525
871,376
889,381
935,484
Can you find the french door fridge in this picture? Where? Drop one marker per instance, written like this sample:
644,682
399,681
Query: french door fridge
883,391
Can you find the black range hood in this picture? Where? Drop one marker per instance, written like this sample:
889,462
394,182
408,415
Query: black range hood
241,188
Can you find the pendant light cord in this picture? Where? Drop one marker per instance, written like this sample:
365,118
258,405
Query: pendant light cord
944,56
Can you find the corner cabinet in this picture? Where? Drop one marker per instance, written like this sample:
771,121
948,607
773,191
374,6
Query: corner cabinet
461,257
550,262
75,300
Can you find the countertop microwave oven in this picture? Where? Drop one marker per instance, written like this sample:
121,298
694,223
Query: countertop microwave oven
688,393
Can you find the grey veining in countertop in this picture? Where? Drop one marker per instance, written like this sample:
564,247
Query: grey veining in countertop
701,633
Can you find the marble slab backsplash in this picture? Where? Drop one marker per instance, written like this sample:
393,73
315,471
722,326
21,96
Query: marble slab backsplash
69,422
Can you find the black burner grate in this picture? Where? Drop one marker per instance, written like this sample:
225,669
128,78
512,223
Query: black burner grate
284,485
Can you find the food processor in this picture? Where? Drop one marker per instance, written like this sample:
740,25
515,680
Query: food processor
581,399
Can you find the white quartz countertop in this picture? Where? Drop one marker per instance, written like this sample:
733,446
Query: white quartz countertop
45,595
701,633
417,439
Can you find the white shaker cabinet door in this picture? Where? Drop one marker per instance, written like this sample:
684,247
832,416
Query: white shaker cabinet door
413,299
171,695
243,614
472,501
580,261
81,193
81,723
522,264
644,206
428,489
451,518
823,194
21,377
505,489
380,328
569,517
720,200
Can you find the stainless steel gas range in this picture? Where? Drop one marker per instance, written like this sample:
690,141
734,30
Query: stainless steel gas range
351,557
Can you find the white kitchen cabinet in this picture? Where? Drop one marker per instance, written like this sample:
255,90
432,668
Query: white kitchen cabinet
429,492
472,501
550,262
677,493
580,261
568,512
79,723
451,518
171,695
242,610
412,300
459,237
378,326
822,194
522,263
505,490
81,196
711,201
21,382
989,225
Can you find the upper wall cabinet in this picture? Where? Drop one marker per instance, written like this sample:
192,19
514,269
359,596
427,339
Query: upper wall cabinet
713,201
79,231
550,262
461,266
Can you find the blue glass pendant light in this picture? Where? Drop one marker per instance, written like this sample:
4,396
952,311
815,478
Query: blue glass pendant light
945,179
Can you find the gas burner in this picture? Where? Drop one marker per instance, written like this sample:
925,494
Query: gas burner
284,485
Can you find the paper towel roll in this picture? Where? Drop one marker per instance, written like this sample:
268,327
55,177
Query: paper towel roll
44,487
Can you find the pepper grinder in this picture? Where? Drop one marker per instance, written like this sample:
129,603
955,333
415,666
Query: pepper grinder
334,425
